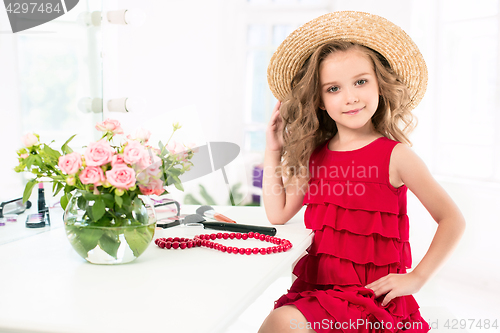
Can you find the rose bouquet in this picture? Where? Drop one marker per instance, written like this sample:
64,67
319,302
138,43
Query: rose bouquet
104,187
112,175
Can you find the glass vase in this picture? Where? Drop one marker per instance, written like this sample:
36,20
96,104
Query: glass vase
117,240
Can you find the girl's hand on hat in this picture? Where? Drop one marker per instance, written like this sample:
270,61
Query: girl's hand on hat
274,130
395,285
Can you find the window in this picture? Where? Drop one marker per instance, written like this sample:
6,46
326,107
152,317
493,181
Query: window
468,106
58,67
47,70
269,23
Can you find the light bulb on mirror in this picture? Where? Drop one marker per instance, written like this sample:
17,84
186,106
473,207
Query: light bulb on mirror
135,17
126,104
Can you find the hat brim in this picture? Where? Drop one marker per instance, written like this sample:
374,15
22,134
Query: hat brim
361,28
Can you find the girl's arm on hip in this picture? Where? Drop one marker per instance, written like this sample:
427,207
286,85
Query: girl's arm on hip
451,223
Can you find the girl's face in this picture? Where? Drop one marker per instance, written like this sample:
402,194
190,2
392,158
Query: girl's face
349,89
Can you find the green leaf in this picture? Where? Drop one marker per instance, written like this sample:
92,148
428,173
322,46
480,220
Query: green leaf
118,200
208,198
138,238
65,200
59,187
51,152
105,220
126,200
83,239
174,172
82,203
68,188
189,199
20,167
98,209
88,211
89,196
65,149
109,199
235,195
179,186
110,242
29,189
37,160
174,180
29,161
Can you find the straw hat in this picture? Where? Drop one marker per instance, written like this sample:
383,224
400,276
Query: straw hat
366,29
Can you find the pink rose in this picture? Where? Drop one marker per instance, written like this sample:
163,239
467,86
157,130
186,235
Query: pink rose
71,163
134,152
156,151
145,190
177,149
110,125
29,140
92,175
117,159
98,153
141,134
154,187
142,178
192,146
24,155
121,176
152,164
154,169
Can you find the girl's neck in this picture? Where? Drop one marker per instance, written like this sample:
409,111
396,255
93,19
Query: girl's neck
347,138
348,135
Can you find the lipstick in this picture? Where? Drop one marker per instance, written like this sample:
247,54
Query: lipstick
43,210
41,199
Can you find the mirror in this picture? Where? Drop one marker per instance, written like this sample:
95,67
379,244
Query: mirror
59,75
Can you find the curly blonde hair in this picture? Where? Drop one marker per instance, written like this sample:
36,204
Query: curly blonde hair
306,126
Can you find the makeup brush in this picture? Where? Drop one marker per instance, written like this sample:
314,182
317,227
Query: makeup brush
196,219
208,211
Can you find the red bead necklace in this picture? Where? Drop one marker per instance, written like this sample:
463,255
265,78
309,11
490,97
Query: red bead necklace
282,245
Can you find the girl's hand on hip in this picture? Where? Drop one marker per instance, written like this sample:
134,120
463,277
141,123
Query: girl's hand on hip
395,285
274,137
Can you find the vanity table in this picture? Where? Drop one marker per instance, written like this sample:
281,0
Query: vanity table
45,286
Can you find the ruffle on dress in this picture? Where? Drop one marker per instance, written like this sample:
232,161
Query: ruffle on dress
361,236
355,309
354,194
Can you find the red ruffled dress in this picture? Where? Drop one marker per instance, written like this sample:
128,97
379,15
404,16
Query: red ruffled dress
361,234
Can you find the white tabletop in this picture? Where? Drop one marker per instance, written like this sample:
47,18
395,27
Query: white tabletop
45,286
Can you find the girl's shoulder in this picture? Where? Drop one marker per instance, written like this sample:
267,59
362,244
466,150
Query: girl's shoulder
404,162
401,151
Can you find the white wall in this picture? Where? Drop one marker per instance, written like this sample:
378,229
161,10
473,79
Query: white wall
10,121
186,62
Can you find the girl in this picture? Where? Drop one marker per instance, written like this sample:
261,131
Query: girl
348,82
